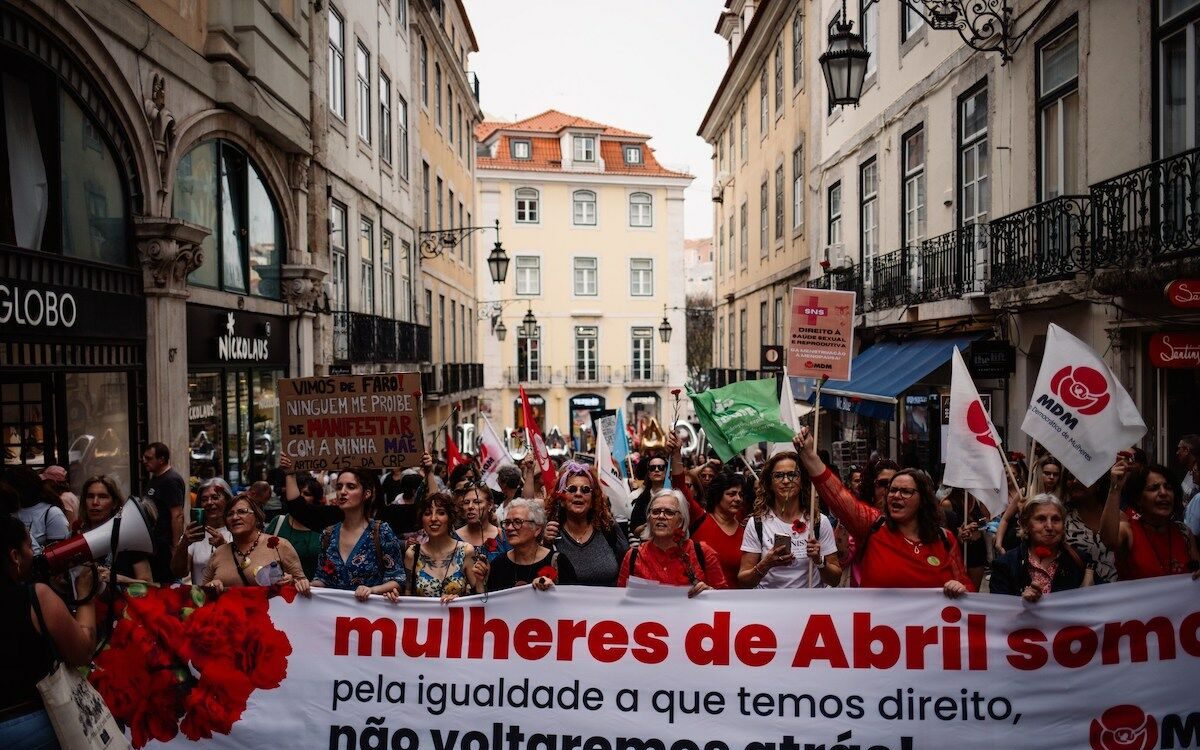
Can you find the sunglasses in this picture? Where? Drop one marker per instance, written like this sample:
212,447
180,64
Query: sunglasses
583,489
658,467
781,476
883,484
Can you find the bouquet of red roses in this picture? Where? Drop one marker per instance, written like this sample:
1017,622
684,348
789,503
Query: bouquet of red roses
183,658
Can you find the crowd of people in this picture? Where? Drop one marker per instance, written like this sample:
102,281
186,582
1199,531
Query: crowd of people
699,524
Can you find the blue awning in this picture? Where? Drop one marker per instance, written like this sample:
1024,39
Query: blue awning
882,372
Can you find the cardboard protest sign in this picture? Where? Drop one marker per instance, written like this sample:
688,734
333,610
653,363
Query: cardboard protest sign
821,336
352,421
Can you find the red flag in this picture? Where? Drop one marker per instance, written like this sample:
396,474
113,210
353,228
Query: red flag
533,438
453,457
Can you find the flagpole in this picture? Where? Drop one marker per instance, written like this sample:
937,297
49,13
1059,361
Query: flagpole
1032,464
966,503
812,486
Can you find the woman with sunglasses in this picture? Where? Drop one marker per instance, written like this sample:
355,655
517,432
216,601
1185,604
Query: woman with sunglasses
778,543
252,557
582,528
527,561
201,540
652,472
901,546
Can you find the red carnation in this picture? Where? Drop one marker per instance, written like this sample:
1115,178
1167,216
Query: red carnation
272,542
799,527
491,545
216,702
211,631
676,391
678,536
548,571
263,657
1043,552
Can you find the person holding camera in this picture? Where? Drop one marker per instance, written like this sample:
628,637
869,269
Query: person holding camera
203,535
777,546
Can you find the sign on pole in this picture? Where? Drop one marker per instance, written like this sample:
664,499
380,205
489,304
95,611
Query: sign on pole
352,421
771,359
821,337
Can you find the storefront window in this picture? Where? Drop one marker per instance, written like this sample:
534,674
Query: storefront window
98,427
640,408
206,432
93,198
537,406
23,410
234,425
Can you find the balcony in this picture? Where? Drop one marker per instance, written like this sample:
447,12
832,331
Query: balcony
891,279
370,339
842,280
946,264
473,82
593,375
1046,241
646,374
520,375
723,376
458,377
1147,215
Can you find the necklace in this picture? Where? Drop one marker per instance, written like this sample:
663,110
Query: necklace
245,556
916,546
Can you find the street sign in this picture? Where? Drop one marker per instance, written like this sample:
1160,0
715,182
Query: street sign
821,336
771,359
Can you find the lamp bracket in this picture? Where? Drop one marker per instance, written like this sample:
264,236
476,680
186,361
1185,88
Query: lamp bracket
984,25
435,241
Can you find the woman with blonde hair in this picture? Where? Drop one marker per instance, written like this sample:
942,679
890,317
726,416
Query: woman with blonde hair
776,545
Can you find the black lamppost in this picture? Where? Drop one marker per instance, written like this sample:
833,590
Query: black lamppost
434,242
664,328
529,324
845,63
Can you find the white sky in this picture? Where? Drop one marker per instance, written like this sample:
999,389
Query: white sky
650,66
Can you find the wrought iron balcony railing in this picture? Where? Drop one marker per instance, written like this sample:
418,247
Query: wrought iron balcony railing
844,280
946,264
722,376
522,375
891,278
645,374
457,377
1046,241
364,339
1149,214
589,375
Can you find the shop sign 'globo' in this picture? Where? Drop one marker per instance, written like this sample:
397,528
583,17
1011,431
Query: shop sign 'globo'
36,307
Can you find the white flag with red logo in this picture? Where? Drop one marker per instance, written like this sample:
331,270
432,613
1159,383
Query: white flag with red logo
492,455
1078,410
609,472
973,460
533,437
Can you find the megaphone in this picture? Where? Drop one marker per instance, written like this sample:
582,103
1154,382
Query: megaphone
127,531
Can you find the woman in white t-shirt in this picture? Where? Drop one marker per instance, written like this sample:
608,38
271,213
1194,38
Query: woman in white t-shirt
40,508
778,543
201,540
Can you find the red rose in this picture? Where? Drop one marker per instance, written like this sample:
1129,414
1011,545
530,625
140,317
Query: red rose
548,571
216,702
1082,388
1124,727
263,656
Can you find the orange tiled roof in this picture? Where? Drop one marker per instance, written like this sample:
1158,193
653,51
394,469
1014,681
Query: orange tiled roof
551,121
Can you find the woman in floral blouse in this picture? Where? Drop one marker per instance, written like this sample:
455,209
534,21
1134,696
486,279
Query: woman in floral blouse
360,553
442,567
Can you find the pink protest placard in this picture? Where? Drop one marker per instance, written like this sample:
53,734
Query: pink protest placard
821,335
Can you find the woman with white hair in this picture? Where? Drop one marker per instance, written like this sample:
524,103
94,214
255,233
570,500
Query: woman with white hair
528,562
667,555
1043,561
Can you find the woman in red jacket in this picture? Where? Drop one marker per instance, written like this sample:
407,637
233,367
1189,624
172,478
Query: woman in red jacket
668,556
902,546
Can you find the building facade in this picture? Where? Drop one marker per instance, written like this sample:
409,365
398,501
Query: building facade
593,225
157,274
758,124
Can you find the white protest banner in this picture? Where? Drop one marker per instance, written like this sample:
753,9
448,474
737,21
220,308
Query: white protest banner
1078,410
492,455
973,459
1108,667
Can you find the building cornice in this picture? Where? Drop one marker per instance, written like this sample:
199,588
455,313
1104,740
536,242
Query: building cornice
482,174
753,49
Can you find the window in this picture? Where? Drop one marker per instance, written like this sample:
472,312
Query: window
732,338
366,264
462,129
425,191
633,155
720,339
521,149
583,208
402,121
584,148
442,327
529,355
641,277
450,209
764,323
744,234
764,103
337,64
974,189
450,115
402,15
385,119
527,205
742,338
470,243
745,132
453,332
642,353
835,213
462,246
437,91
362,68
1177,66
387,278
779,202
218,187
797,50
779,320
404,264
529,274
424,73
428,308
778,78
910,22
441,206
1058,115
868,27
798,187
641,210
868,210
763,206
721,250
585,277
913,195
586,365
337,250
731,146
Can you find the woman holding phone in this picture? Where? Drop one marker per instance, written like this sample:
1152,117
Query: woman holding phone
777,546
205,532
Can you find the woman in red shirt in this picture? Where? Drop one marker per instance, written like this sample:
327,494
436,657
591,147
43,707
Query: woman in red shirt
668,556
722,525
1153,544
904,546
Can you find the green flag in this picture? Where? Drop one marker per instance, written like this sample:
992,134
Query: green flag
740,414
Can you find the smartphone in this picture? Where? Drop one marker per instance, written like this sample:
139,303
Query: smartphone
783,542
198,515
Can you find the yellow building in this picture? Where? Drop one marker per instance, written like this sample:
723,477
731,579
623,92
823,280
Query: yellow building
756,125
443,164
593,225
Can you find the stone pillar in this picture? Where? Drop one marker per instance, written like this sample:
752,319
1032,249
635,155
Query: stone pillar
302,289
169,249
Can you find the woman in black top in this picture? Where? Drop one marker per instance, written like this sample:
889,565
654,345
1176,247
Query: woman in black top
527,561
27,656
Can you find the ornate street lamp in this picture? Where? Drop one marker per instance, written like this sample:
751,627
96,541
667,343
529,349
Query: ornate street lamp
844,63
498,262
501,330
664,328
434,243
529,324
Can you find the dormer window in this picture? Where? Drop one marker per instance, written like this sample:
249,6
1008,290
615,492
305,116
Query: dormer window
633,155
585,148
522,150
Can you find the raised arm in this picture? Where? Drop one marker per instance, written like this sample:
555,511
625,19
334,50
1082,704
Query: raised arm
855,515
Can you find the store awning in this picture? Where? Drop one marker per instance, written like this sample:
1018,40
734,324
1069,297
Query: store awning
882,372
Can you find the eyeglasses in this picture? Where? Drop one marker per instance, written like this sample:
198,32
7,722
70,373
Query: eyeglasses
785,476
904,492
658,467
517,523
667,512
583,489
240,512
